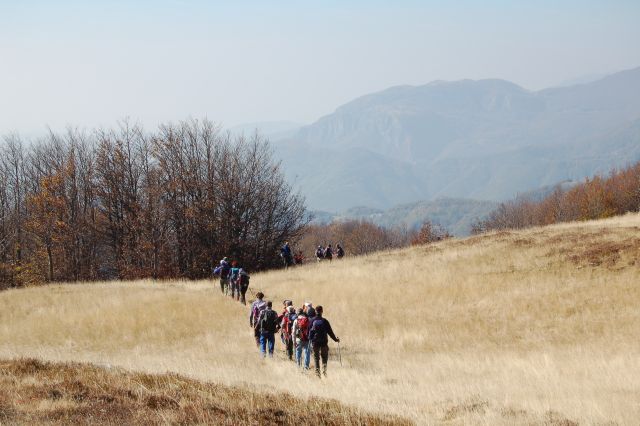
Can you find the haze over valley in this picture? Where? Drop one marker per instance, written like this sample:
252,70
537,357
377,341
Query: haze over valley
481,140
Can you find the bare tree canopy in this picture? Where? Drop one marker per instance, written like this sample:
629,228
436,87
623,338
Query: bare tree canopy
126,203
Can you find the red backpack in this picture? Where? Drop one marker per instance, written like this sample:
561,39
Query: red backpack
303,329
288,322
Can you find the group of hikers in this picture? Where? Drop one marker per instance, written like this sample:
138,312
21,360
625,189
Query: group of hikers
289,258
303,331
327,253
234,280
322,253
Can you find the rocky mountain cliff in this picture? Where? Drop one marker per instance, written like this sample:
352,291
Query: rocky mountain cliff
487,139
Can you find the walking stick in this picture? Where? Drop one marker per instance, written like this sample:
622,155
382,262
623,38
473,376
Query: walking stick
339,354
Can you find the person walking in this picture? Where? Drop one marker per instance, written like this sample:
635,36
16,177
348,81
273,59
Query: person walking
318,335
267,326
286,330
309,310
285,303
257,307
339,251
319,254
287,256
234,279
225,269
300,337
328,253
244,285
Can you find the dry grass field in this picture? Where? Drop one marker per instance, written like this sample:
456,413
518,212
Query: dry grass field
533,327
69,394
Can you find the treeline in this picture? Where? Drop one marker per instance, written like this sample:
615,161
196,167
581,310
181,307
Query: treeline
358,237
125,203
596,198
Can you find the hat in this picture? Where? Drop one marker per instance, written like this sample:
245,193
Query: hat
308,304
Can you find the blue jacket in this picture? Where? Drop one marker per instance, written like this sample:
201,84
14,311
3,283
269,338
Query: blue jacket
319,330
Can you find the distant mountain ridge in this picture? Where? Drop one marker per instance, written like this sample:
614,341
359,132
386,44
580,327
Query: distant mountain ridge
486,139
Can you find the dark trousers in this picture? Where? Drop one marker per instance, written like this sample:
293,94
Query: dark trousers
321,351
235,289
243,292
224,285
289,343
256,334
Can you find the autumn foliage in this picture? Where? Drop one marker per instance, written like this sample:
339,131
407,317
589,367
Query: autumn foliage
596,198
125,203
358,237
430,233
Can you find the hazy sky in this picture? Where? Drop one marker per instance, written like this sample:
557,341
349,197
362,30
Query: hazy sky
89,63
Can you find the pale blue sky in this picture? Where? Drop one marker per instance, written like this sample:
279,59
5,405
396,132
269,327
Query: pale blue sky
90,63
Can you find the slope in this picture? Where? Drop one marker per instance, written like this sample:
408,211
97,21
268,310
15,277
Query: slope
510,328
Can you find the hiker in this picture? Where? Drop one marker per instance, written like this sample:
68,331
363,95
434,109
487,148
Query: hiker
298,258
267,326
339,251
223,271
234,279
320,329
309,310
286,327
286,303
300,337
285,253
256,309
244,285
328,253
319,254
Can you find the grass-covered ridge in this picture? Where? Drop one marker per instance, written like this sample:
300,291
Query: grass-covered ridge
519,327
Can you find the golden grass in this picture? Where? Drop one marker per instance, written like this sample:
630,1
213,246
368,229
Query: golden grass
537,326
67,394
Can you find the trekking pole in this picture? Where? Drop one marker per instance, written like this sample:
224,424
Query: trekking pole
339,354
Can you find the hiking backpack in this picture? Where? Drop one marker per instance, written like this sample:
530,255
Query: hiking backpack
257,310
287,322
269,321
244,280
224,271
302,332
234,273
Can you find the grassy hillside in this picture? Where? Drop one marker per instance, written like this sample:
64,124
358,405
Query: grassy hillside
538,326
35,392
